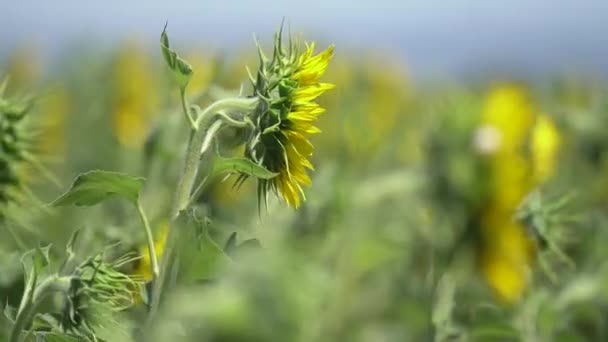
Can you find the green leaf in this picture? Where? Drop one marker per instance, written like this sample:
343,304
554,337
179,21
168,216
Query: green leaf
233,250
33,262
210,256
10,313
69,248
202,256
51,336
230,245
92,187
181,69
242,166
41,257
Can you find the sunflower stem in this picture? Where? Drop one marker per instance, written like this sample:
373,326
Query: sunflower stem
197,143
182,95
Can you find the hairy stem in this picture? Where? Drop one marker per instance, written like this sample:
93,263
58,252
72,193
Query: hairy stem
182,95
196,143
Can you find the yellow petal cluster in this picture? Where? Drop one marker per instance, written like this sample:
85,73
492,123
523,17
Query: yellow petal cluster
301,118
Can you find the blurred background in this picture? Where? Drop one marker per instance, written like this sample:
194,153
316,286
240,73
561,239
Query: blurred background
435,38
461,176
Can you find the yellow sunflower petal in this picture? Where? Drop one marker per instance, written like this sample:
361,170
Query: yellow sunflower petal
311,92
311,68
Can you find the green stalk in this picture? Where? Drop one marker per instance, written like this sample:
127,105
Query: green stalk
182,95
196,143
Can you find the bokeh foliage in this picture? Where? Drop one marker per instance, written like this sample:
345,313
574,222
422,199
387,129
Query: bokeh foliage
471,211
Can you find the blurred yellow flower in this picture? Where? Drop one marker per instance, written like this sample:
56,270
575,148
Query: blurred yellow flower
23,68
506,249
545,142
142,268
505,255
367,110
509,109
134,96
204,69
54,109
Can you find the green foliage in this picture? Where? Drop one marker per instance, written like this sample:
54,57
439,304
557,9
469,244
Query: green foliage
241,166
92,187
387,246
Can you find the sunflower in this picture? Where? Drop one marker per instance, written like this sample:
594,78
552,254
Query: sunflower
288,86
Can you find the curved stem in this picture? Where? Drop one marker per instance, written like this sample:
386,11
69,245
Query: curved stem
197,142
226,105
211,132
182,95
235,123
150,240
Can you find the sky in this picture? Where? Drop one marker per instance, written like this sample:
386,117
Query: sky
431,37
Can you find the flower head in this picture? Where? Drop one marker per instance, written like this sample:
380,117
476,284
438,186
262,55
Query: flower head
288,86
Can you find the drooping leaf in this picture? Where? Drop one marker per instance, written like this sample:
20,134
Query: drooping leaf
92,187
241,166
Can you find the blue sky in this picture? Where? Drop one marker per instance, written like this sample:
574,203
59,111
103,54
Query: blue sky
433,37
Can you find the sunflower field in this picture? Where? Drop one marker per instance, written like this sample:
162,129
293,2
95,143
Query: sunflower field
296,192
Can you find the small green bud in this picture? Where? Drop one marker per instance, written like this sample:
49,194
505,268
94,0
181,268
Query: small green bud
181,69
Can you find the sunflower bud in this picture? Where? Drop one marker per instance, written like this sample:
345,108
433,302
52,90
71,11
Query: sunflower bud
96,285
13,145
